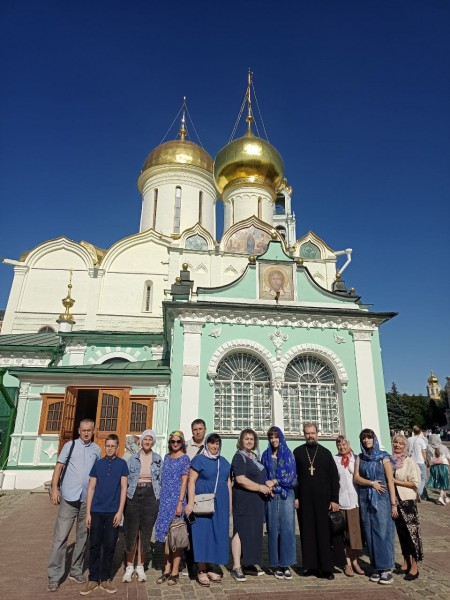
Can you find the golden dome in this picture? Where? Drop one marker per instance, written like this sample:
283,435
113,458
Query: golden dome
432,378
181,152
248,160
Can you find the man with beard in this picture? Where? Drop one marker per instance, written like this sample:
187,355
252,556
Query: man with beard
317,494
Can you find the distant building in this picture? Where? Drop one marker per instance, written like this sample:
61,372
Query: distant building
433,388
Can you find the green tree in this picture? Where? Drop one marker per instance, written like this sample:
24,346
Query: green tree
398,414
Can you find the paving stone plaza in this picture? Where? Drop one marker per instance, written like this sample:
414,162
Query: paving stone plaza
26,526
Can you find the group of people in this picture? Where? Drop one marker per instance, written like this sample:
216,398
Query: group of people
372,494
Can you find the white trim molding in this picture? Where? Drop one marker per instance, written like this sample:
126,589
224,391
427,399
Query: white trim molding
249,345
320,351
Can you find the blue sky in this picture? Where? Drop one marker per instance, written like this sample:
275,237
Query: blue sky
355,95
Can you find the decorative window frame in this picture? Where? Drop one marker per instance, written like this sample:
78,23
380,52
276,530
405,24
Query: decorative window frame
147,284
47,401
250,346
322,352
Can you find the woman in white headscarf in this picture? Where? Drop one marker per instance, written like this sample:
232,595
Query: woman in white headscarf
144,486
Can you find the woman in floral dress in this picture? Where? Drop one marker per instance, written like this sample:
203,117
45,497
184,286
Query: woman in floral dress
172,502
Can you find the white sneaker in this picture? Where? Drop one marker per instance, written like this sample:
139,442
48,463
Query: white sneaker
141,576
128,575
441,500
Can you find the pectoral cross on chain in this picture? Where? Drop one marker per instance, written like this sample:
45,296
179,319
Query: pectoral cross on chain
311,470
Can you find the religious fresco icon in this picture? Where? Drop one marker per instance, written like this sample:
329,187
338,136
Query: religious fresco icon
249,240
276,282
196,242
309,250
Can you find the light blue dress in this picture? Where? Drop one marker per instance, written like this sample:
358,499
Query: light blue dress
210,533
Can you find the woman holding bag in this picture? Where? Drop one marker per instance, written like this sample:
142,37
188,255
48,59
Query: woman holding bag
210,474
174,479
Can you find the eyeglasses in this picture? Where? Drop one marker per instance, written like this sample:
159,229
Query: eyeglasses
367,436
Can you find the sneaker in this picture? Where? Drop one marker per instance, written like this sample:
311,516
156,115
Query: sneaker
141,576
375,577
254,570
77,578
441,501
53,586
88,587
287,574
259,571
386,578
185,572
278,574
128,575
107,586
238,575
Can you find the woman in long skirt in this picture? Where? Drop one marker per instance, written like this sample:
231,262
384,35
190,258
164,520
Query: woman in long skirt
406,479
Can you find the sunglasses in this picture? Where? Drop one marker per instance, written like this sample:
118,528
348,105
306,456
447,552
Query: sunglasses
175,442
367,436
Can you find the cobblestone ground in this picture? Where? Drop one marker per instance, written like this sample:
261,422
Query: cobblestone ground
26,525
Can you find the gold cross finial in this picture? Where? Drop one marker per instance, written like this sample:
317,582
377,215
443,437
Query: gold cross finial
183,131
249,118
68,301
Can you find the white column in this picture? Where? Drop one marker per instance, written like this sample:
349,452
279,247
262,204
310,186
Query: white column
95,286
278,418
190,387
366,381
160,418
14,297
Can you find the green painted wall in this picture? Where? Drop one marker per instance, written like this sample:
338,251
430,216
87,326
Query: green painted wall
380,391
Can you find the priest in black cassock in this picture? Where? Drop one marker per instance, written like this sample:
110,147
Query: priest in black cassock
317,493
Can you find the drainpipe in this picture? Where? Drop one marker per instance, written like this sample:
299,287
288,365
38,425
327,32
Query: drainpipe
348,252
12,419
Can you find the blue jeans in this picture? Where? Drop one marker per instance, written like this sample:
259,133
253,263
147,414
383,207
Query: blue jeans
281,530
423,478
379,530
103,538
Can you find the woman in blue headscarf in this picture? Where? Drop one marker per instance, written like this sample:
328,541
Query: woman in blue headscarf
279,463
378,505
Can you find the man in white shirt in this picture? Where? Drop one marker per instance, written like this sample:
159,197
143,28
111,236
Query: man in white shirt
197,442
417,448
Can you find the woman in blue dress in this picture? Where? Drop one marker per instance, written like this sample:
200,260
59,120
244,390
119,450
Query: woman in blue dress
210,533
174,478
378,505
280,515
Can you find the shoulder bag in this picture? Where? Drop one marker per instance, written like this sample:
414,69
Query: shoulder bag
178,537
337,523
66,464
204,503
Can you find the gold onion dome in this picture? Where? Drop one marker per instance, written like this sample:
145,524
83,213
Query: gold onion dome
248,160
432,378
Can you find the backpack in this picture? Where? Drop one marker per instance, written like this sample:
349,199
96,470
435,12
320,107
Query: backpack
178,538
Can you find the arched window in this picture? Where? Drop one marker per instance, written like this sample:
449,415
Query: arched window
282,231
115,359
310,394
242,394
46,329
200,207
259,207
148,296
155,207
177,214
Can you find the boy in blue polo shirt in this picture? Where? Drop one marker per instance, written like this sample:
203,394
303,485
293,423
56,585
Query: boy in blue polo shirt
105,502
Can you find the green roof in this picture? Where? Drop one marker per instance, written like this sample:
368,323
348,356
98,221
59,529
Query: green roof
39,341
142,367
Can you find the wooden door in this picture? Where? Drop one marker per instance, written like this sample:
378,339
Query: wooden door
139,415
109,418
68,419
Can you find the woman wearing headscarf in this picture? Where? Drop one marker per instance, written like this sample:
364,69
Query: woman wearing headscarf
438,457
378,505
349,505
280,514
406,480
174,479
210,473
250,490
141,510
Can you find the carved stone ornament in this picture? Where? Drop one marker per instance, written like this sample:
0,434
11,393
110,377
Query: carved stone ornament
192,328
191,370
338,338
162,392
362,336
278,338
51,451
216,332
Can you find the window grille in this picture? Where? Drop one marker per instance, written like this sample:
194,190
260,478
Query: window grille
148,297
310,393
242,394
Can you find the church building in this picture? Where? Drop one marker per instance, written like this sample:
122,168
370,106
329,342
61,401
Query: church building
171,324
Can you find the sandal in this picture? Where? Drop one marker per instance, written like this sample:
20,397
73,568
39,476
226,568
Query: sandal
172,580
214,577
164,577
348,571
203,579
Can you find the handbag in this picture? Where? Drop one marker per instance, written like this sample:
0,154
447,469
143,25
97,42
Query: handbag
204,503
337,523
178,537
